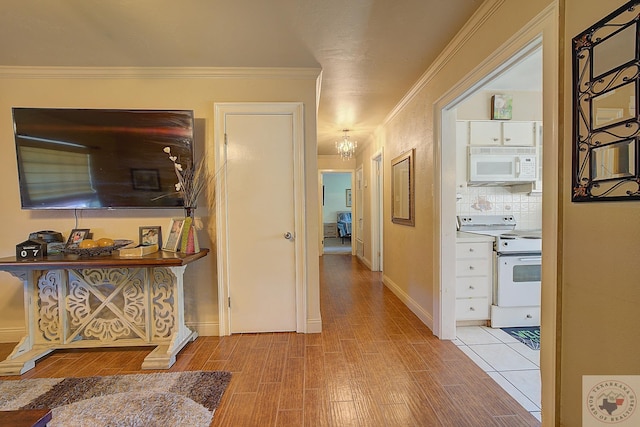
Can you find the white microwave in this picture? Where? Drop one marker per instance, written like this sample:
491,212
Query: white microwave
502,164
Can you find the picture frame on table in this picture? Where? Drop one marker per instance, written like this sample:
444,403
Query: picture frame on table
77,235
175,235
151,235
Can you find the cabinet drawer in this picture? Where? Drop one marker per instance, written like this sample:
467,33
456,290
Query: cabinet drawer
473,287
472,267
472,309
473,250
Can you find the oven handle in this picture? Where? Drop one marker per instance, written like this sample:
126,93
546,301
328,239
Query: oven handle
531,259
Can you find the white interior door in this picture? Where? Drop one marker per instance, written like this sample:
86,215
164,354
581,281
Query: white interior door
260,222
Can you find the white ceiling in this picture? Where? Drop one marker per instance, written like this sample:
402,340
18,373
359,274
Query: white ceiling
370,51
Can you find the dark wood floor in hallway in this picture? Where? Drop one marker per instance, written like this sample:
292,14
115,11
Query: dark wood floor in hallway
375,364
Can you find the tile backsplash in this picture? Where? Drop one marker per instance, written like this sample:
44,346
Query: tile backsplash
525,207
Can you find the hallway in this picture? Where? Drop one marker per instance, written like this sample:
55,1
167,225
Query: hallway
375,364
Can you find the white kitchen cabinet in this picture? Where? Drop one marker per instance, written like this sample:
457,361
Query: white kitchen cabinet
485,132
493,132
474,279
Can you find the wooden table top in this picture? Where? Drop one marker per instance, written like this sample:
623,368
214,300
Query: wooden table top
51,262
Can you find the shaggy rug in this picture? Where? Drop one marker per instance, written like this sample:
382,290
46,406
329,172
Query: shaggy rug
159,399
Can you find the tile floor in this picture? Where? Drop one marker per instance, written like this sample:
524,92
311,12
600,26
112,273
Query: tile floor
509,362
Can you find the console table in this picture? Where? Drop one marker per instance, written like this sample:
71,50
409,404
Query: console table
102,301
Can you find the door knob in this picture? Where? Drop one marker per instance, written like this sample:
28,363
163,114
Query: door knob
288,236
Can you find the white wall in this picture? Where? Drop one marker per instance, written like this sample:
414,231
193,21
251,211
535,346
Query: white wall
335,185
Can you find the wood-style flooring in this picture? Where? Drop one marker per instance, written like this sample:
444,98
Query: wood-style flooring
375,364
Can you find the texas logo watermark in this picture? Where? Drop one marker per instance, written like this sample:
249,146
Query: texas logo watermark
610,400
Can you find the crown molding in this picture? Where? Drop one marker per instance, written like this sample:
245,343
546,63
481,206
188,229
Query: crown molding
24,72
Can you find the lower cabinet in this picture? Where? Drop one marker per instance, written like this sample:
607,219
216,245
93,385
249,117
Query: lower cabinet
474,279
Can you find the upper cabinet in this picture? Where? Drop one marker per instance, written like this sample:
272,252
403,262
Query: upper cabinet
492,132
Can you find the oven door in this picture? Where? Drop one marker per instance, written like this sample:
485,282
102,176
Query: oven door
519,279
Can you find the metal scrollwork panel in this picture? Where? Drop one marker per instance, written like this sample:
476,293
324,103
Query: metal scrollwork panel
606,128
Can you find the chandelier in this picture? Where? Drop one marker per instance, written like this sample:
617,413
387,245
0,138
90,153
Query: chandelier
346,147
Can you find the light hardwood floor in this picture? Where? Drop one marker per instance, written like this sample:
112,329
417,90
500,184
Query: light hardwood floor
375,364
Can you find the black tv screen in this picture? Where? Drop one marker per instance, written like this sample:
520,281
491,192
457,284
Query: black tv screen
100,159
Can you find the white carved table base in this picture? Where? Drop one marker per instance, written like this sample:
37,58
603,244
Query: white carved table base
102,307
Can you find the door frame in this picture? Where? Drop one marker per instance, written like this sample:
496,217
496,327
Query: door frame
543,27
296,110
377,209
321,173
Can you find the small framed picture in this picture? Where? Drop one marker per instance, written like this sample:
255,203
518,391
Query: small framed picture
77,235
348,197
146,179
151,236
501,107
175,235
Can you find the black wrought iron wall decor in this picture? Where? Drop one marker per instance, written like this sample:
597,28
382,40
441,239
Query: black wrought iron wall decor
606,127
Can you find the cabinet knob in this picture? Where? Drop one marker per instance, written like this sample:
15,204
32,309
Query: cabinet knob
470,249
529,316
495,139
471,267
472,309
471,287
507,139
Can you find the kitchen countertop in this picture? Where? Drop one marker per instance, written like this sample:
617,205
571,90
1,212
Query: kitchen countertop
464,237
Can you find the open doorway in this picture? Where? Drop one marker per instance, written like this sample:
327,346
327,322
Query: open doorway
467,121
338,197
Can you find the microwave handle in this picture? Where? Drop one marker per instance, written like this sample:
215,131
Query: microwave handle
517,167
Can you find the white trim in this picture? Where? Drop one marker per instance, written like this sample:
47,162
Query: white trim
159,72
296,110
377,211
12,335
205,329
314,326
413,305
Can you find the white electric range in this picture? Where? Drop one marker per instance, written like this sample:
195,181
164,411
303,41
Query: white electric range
518,268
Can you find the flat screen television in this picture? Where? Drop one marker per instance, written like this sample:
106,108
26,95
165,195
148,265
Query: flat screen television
100,158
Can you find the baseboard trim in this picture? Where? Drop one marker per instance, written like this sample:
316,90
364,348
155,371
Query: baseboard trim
314,326
205,329
365,262
416,308
12,334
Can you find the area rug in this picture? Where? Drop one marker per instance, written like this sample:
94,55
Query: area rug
530,335
158,399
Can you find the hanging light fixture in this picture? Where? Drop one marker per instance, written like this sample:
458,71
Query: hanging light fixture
346,147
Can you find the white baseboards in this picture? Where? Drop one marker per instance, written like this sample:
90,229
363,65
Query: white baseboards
12,334
314,326
205,329
416,308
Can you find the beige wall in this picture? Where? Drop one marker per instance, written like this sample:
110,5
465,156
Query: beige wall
144,89
600,289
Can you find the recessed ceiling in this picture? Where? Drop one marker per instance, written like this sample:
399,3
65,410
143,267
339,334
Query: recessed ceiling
371,51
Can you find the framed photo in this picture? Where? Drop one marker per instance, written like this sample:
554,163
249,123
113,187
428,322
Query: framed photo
175,235
77,235
348,197
145,179
501,107
151,236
